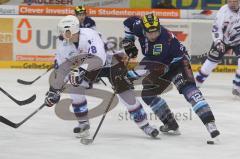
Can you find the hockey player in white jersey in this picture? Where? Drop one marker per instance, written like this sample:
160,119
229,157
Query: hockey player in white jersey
84,41
226,36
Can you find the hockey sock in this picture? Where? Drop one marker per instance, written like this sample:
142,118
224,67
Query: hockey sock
236,81
160,108
80,108
137,113
205,70
200,106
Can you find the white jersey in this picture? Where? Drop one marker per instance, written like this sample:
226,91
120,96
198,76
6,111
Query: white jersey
89,43
226,26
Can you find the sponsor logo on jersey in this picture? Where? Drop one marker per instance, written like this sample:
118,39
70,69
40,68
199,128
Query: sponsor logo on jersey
157,49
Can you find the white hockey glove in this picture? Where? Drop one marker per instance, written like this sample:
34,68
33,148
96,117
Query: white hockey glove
220,46
76,76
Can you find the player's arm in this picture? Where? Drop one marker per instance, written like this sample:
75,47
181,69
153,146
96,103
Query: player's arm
92,65
218,31
53,95
129,27
177,50
180,67
128,42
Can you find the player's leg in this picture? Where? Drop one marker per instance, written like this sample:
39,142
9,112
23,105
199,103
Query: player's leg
137,113
122,86
163,112
236,80
214,57
152,87
185,83
80,110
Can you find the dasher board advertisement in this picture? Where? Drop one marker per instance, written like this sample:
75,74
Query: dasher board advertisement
93,3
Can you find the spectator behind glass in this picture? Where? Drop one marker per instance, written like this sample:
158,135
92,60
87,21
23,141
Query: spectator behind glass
164,4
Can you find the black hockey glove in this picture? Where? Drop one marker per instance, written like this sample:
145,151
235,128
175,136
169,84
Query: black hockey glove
76,76
52,97
130,48
55,65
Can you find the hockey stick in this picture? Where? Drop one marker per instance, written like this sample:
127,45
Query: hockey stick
31,82
202,55
87,141
16,125
24,102
103,81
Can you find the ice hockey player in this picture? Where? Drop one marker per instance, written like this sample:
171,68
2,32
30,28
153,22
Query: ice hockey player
159,45
87,42
226,36
84,20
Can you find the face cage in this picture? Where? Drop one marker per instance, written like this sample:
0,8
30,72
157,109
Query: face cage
144,32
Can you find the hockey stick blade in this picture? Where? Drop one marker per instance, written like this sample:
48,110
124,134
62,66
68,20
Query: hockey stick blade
24,102
27,82
86,141
8,122
27,101
16,125
31,82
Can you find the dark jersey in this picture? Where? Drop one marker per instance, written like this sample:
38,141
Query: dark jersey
88,23
166,49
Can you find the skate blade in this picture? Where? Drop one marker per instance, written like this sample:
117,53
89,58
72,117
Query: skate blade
172,132
213,141
83,134
86,141
236,97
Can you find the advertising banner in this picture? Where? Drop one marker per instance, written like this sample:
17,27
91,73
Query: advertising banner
190,4
198,14
35,39
97,12
31,41
181,30
124,12
93,3
50,10
8,10
25,64
46,10
6,39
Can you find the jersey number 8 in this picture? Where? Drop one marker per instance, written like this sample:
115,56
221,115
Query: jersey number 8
92,49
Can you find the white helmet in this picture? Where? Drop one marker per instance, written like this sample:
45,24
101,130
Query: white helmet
68,23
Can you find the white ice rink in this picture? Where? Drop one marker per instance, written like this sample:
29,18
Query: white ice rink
45,136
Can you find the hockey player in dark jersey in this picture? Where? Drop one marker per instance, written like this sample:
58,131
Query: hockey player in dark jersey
159,45
84,20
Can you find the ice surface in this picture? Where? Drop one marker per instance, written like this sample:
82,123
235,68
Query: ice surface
47,136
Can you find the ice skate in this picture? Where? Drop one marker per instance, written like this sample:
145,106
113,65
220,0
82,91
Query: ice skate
150,131
171,128
236,92
214,133
82,130
212,129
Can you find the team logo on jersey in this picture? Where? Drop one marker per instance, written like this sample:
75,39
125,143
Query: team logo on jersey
157,49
